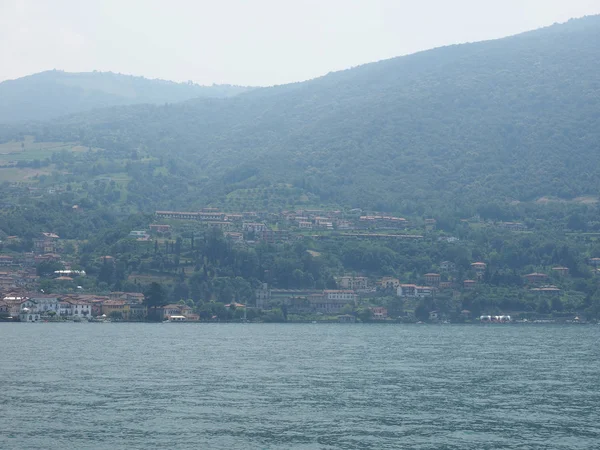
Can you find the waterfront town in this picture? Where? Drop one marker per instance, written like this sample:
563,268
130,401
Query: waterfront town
49,283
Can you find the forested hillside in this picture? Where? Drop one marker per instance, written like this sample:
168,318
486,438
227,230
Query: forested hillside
428,165
515,119
54,93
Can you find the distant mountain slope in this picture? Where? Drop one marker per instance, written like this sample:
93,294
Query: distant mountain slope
51,94
510,119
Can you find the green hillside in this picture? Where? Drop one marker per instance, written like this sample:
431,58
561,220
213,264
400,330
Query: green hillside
504,121
51,94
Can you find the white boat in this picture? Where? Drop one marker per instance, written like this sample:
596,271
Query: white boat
175,319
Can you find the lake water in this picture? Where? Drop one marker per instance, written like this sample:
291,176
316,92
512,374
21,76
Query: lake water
305,386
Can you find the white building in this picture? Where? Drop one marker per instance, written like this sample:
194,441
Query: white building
250,227
354,283
43,304
341,295
263,296
27,315
81,308
75,307
412,290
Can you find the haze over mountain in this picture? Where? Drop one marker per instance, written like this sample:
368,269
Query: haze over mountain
513,119
55,93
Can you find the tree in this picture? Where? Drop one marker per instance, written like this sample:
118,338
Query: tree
365,314
155,297
422,312
47,268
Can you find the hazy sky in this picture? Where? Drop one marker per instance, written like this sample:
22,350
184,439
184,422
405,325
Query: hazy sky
250,42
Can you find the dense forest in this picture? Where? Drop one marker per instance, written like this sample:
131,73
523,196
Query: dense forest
514,119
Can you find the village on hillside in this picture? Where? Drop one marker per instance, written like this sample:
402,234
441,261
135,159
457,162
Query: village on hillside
48,284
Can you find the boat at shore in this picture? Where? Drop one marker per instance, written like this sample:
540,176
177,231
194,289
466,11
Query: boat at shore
175,319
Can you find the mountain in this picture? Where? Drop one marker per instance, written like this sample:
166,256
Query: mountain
503,121
55,93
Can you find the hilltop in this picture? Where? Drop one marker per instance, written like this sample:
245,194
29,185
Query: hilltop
54,93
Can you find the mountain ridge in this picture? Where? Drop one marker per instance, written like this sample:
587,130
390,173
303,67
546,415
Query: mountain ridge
50,94
509,119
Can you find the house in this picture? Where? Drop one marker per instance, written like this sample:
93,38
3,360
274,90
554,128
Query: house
179,310
80,308
562,271
299,305
406,290
116,306
65,308
345,295
46,304
236,238
449,239
331,301
234,218
46,257
221,225
434,315
513,226
594,262
28,315
346,318
263,296
3,309
235,305
160,229
343,224
6,260
430,224
250,215
389,283
479,268
134,297
275,236
7,281
211,216
412,290
354,283
424,291
64,279
97,306
13,302
469,284
46,243
536,277
303,225
447,266
323,222
177,215
137,311
548,290
139,235
171,309
432,279
254,227
379,312
388,222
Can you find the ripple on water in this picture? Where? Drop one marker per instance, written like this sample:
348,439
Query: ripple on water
299,386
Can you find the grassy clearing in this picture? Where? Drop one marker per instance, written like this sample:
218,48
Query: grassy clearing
30,150
149,278
22,174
